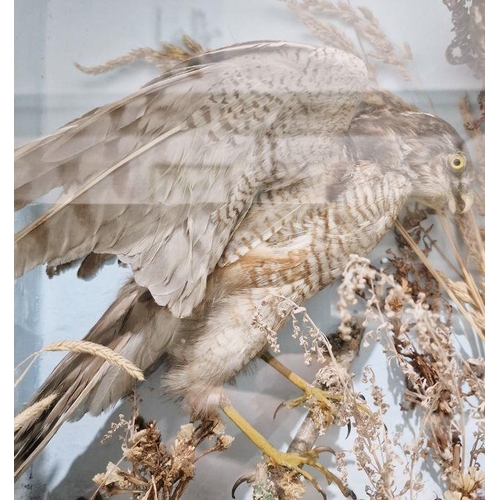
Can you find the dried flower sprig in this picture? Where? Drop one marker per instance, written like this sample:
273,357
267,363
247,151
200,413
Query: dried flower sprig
156,472
310,337
438,380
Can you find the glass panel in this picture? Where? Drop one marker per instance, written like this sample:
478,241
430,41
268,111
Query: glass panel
424,329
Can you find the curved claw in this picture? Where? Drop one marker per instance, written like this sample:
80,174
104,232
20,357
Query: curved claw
352,494
291,403
246,478
324,398
349,426
313,481
280,406
324,449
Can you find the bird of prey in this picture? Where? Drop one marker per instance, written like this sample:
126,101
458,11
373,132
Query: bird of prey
244,173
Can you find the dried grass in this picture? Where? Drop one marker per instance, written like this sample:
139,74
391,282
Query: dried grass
366,28
85,347
33,411
313,14
440,279
164,59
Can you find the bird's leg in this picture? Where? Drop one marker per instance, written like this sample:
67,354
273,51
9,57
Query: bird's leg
312,395
310,392
292,461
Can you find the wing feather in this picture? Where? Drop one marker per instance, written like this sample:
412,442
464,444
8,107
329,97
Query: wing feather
85,383
162,178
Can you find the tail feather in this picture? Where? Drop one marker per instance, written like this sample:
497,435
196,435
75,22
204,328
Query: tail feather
133,326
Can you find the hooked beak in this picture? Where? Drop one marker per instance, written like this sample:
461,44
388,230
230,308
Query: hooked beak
461,201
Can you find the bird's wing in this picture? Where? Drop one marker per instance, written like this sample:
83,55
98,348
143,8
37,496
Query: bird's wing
162,178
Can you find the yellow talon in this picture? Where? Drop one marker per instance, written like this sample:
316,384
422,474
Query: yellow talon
326,399
313,394
315,397
295,461
291,461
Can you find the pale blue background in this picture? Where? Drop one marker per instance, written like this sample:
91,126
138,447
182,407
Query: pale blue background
52,34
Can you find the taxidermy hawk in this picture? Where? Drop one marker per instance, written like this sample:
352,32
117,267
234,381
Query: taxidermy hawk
244,173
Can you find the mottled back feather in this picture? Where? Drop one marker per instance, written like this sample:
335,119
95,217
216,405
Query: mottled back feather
163,177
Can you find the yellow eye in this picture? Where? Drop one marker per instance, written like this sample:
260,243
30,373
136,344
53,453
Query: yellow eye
457,162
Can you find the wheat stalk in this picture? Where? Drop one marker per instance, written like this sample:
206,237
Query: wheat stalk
33,411
165,58
85,347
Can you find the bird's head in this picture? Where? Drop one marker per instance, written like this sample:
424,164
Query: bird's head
420,145
439,163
